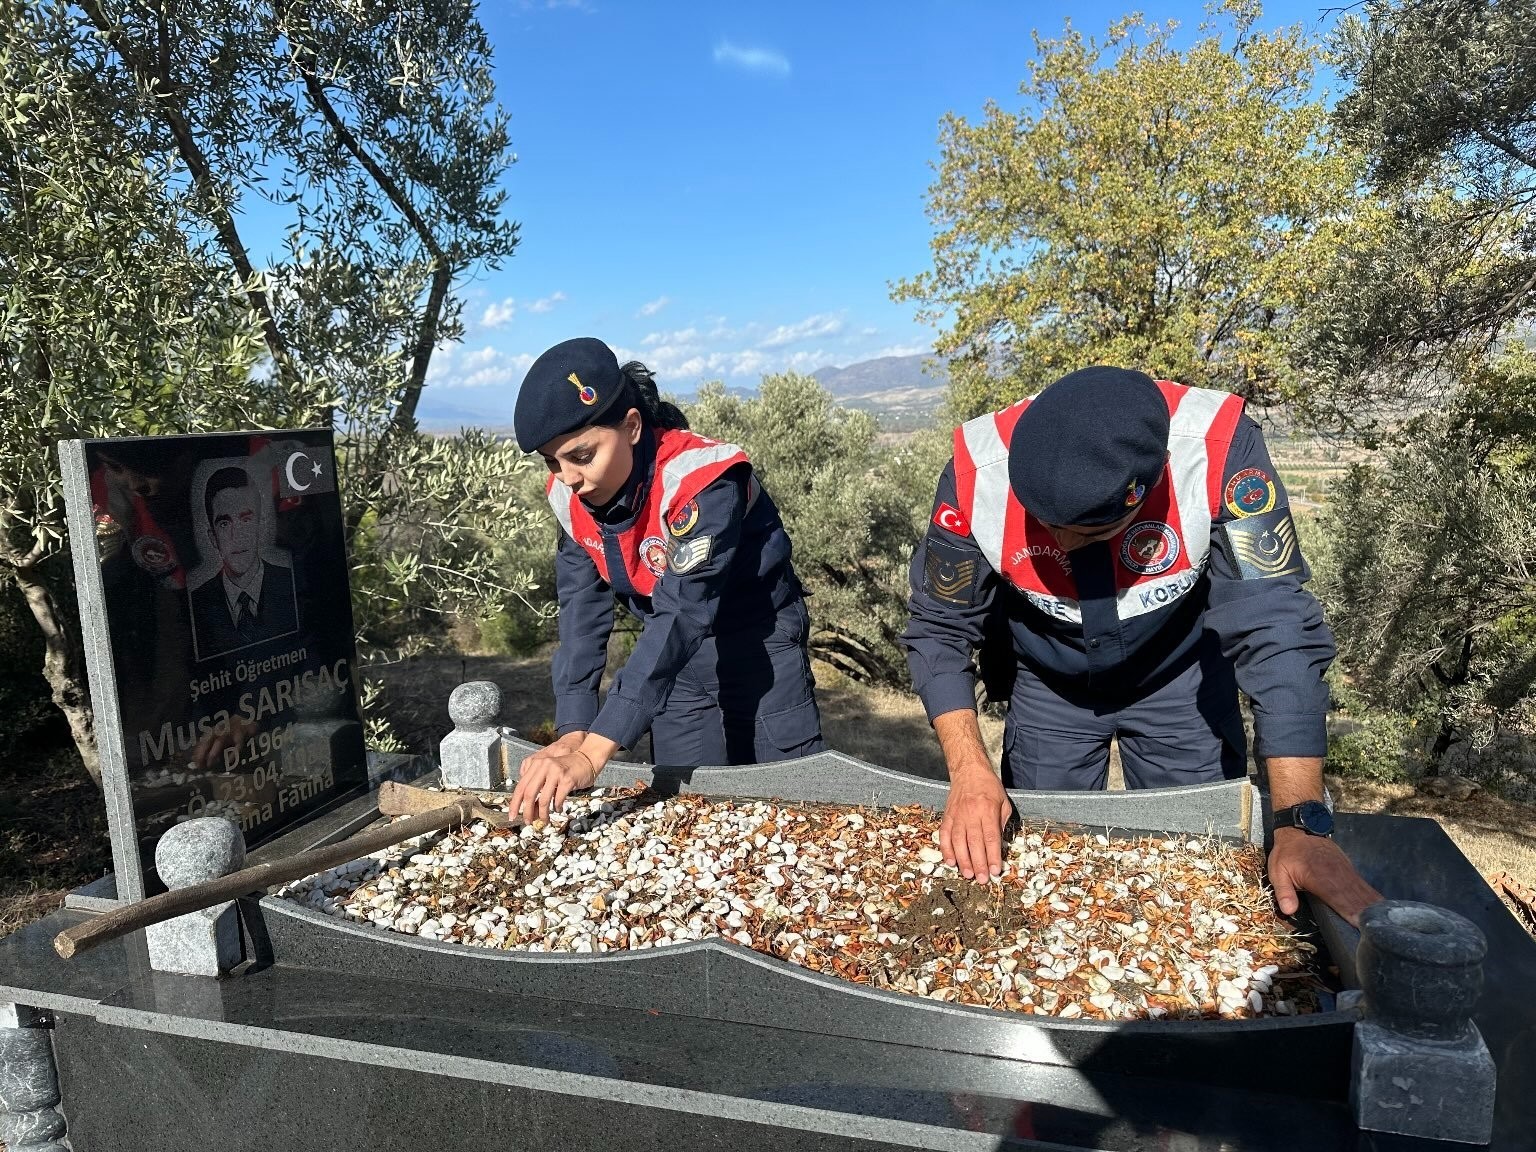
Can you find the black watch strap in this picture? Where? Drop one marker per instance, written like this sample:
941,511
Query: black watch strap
1311,816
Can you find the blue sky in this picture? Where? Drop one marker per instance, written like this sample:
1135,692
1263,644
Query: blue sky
728,190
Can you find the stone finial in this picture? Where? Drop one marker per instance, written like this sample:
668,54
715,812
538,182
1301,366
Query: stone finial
29,1085
474,705
1421,967
206,942
1420,1065
471,753
196,851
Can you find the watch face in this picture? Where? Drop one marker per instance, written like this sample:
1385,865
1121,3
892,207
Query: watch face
1313,815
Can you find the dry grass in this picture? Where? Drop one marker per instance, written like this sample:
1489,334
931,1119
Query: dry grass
1497,835
53,837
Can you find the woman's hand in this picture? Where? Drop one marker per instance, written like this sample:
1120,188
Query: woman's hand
547,777
551,774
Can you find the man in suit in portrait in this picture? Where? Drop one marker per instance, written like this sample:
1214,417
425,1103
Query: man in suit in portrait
249,599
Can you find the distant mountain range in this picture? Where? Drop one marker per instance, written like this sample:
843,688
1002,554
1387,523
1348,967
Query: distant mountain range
903,391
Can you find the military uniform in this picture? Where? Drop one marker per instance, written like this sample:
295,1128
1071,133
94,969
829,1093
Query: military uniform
1145,636
694,548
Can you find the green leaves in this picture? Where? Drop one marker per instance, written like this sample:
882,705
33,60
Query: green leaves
1144,206
136,140
849,504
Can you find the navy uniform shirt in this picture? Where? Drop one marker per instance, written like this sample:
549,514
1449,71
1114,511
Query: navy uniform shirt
746,579
1270,627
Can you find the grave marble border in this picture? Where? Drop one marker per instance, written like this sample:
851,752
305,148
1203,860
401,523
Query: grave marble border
724,981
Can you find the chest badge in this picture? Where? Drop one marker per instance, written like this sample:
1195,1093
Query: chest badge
1150,548
653,554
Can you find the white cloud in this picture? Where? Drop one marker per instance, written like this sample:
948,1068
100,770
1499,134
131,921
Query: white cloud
487,367
547,303
654,306
764,61
713,349
498,314
812,327
681,336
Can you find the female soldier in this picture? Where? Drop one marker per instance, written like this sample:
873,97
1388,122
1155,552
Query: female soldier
677,526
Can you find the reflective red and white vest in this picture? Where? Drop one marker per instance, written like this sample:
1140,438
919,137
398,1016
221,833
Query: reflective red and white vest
685,464
1160,555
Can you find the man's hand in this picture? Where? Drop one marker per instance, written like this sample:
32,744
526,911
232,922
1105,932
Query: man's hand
1302,863
971,835
547,777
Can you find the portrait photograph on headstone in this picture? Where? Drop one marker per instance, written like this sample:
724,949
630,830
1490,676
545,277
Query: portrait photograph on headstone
220,583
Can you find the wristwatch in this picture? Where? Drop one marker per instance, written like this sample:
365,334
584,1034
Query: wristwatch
1311,816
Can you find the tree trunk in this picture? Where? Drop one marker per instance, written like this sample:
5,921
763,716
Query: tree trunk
61,666
1443,739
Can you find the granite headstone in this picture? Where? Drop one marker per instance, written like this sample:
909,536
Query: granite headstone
217,617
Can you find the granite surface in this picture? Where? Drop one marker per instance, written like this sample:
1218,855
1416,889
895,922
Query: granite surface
286,1043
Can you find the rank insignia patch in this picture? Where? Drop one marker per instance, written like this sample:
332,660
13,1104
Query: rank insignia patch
681,522
1264,546
1250,493
686,555
949,575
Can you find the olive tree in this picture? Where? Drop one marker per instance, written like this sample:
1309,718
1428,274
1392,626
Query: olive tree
134,136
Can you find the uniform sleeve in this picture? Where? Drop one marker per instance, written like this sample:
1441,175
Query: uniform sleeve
952,587
1269,625
684,603
586,619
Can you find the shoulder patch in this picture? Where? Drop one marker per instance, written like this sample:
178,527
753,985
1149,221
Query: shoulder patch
1250,493
950,574
682,520
1264,546
951,519
686,555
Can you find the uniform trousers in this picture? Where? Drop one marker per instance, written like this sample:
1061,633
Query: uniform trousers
746,697
1185,729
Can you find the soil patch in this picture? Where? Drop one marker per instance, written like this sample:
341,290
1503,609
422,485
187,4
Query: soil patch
54,834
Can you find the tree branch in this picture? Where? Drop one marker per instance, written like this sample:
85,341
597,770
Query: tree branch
163,89
404,417
1508,147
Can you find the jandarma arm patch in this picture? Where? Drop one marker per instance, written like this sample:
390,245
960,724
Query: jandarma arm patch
949,574
1264,546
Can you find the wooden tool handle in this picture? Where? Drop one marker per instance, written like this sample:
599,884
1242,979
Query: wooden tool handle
120,921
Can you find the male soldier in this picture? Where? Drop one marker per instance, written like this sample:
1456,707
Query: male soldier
1131,540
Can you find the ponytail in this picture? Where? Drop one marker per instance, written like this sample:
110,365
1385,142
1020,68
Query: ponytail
658,412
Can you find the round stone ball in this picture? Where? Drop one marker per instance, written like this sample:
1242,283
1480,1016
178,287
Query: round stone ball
474,705
199,850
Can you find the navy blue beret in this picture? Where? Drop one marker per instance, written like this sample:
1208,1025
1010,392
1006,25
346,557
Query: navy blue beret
567,388
1087,449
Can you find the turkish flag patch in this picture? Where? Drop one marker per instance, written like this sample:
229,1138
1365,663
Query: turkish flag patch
951,520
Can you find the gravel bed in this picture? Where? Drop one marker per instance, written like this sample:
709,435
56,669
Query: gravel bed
1079,925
